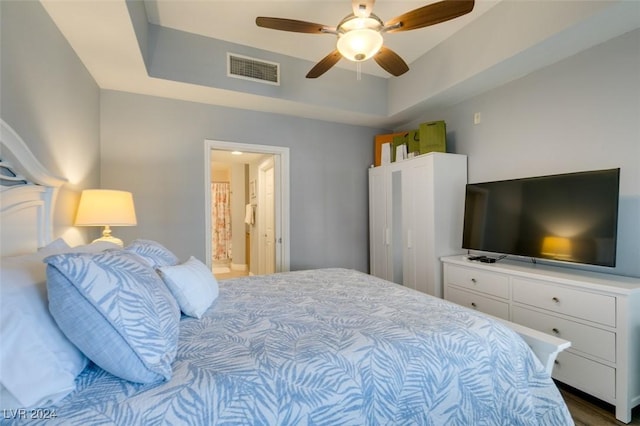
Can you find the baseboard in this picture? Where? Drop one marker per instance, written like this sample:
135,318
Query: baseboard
238,267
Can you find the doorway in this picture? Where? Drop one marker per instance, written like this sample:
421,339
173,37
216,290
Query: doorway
262,232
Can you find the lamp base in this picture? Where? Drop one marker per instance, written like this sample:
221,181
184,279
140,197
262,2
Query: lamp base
110,239
106,236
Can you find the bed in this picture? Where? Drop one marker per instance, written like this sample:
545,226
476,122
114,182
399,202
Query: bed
328,346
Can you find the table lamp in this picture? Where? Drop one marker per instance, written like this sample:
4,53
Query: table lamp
105,207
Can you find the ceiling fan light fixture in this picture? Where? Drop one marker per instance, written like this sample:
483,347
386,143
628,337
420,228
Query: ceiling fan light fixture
359,38
359,45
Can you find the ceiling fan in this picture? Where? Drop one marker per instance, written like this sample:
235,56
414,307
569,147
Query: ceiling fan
360,33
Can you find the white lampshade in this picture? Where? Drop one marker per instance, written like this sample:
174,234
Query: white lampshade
359,45
100,207
105,207
359,38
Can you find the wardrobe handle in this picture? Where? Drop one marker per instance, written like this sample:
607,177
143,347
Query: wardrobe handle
473,305
555,300
555,331
409,239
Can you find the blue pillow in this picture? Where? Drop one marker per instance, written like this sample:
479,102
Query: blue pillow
115,308
153,252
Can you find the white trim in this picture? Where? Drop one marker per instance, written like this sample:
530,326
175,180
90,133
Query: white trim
281,156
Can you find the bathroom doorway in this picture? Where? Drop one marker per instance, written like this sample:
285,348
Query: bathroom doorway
247,203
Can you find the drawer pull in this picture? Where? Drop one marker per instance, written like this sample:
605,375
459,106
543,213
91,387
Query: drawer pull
473,305
555,300
556,362
473,280
555,331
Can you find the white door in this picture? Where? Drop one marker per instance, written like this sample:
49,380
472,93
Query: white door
378,230
267,223
269,228
418,209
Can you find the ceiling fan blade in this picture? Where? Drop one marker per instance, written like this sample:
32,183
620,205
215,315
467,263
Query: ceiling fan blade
292,25
362,8
429,15
390,61
325,64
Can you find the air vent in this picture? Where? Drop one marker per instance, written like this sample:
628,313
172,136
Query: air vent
239,66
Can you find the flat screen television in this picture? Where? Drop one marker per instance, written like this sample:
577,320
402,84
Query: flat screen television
569,217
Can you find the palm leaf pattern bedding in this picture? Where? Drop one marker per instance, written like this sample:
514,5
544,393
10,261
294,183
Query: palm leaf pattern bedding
330,347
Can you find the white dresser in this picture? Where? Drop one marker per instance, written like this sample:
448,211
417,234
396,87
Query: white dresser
598,313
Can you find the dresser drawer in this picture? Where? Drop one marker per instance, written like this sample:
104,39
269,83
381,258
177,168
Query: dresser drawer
484,282
589,376
481,303
573,302
589,340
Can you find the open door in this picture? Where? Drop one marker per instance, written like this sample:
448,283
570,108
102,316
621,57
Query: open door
272,215
268,221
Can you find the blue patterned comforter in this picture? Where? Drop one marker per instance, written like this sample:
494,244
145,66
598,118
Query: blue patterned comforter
331,347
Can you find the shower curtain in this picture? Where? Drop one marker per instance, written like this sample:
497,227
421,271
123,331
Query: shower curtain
221,221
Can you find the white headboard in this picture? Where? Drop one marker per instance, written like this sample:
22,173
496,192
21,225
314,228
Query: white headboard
27,196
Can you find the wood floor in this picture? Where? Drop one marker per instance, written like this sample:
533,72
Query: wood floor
588,411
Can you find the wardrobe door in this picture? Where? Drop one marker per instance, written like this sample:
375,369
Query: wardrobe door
407,241
396,220
419,238
378,230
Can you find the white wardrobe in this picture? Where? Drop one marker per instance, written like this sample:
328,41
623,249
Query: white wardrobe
416,210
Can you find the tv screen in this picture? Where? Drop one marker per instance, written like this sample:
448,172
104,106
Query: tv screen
569,217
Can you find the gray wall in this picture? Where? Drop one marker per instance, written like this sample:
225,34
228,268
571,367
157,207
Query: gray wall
154,147
582,113
48,97
180,56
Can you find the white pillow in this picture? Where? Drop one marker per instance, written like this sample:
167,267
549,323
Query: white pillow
96,247
60,246
57,244
192,284
38,364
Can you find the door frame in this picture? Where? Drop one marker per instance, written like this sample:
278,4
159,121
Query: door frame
281,181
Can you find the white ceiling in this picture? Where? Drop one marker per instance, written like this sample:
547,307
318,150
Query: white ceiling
102,35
